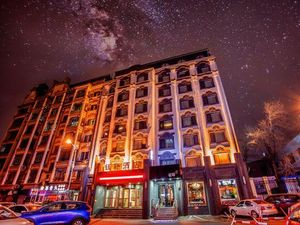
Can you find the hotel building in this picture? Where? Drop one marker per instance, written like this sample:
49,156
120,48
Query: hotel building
149,138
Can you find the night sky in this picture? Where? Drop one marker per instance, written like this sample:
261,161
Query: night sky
257,45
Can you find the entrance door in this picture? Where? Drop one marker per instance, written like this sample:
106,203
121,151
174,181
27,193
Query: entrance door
166,194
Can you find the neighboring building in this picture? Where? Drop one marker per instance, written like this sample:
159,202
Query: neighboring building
153,135
292,151
262,179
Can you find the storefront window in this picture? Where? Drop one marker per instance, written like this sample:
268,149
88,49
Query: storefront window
196,193
228,190
130,196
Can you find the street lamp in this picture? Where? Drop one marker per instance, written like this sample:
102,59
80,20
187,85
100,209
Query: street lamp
74,149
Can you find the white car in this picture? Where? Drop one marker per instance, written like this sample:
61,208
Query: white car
8,217
253,208
24,208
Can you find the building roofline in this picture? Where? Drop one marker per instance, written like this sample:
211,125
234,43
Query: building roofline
156,64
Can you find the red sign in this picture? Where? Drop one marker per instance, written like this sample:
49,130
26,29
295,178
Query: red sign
120,177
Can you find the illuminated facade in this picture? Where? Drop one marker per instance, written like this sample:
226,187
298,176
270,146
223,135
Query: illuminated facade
151,136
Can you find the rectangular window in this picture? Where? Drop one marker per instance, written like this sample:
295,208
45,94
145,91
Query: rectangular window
59,174
228,191
32,176
53,112
196,194
10,177
166,124
213,117
188,121
65,155
17,160
140,108
80,93
24,143
5,148
77,107
58,99
193,161
74,121
84,156
44,140
38,157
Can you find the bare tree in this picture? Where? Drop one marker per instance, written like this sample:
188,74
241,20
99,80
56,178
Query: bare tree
272,132
286,168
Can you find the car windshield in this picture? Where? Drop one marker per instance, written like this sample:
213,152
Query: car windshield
6,214
260,202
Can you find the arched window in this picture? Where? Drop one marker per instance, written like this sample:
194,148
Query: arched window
103,149
166,141
118,144
184,87
213,116
210,98
123,96
142,77
188,120
137,162
141,92
164,91
112,88
102,165
192,159
183,72
206,82
110,103
164,76
107,117
203,67
141,107
140,142
187,102
124,81
116,163
165,106
120,128
166,123
190,139
217,136
122,110
221,156
167,158
140,124
105,132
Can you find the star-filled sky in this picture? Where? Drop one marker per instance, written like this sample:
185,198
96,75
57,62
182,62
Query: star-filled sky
257,45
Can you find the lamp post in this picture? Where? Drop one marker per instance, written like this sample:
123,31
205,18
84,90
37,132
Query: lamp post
74,149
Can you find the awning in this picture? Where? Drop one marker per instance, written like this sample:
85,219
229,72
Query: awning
120,177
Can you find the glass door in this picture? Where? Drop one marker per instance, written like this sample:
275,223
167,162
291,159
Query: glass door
166,194
126,192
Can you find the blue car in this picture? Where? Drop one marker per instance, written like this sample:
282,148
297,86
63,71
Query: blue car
62,212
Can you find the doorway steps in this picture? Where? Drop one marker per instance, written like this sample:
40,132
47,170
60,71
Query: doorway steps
120,213
166,213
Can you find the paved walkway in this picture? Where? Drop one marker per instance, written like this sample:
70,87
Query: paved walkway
184,220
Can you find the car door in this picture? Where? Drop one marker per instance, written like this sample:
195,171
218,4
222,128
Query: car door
249,206
51,214
239,208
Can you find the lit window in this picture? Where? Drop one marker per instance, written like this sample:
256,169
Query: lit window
228,191
196,194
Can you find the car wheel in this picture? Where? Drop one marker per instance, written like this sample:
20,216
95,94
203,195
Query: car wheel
233,213
254,214
78,222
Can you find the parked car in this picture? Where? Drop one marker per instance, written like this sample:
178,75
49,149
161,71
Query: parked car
293,218
6,204
253,208
61,212
283,201
24,208
8,217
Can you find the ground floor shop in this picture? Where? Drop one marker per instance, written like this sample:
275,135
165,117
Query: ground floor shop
191,190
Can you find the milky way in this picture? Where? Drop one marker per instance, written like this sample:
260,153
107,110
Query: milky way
256,44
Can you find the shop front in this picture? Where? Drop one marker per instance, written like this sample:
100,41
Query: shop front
120,190
165,187
53,192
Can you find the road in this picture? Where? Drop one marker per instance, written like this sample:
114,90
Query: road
187,220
